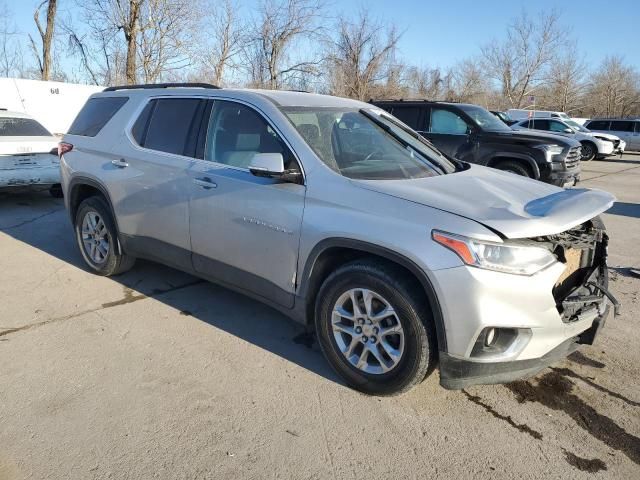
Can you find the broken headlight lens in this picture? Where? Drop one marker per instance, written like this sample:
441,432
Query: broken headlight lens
501,257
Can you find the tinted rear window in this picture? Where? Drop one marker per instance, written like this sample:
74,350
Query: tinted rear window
21,127
95,114
622,126
598,125
139,129
169,125
410,116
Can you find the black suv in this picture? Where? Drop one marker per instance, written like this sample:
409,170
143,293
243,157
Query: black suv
473,134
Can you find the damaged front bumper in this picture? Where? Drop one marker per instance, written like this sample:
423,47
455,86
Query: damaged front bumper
552,315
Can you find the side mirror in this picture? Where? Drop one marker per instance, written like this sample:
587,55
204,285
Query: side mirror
271,165
267,165
568,130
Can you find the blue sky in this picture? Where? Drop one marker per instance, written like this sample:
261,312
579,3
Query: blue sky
440,33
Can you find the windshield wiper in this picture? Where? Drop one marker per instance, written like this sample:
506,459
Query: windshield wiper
399,138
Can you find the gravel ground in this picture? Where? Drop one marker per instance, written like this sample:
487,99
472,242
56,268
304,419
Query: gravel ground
156,374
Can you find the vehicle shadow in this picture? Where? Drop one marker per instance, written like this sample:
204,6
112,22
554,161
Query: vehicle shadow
42,222
622,161
625,209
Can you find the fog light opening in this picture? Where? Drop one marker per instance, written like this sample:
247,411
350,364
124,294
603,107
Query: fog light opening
500,342
490,337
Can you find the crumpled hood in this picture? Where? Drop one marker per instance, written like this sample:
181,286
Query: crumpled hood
515,206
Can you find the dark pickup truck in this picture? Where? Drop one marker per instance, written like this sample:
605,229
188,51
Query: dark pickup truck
472,134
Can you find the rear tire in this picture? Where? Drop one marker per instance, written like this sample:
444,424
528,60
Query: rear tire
97,236
514,167
391,353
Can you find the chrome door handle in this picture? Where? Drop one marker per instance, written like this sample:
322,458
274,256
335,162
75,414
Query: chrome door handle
205,182
120,163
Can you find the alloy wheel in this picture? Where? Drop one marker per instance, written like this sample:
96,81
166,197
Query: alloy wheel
367,331
94,237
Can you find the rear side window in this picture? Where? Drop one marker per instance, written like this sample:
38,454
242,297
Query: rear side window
619,126
95,114
164,124
536,124
409,115
139,129
21,127
598,125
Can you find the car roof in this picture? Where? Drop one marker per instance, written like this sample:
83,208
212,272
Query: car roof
418,102
616,119
10,114
281,98
562,120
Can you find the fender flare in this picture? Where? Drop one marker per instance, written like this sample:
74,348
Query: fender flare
79,181
499,156
371,248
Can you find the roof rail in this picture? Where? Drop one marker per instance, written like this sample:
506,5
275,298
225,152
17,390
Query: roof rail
147,86
412,100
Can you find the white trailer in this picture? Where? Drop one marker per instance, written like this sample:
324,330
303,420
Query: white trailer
521,114
53,104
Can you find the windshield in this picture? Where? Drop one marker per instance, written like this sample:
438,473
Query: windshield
366,144
576,126
485,119
21,127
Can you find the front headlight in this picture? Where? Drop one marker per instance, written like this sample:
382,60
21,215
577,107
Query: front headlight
550,151
501,257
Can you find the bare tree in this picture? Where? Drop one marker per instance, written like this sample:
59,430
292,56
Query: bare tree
227,38
614,89
360,56
565,85
279,25
425,83
164,37
105,19
518,63
43,55
11,61
469,82
158,39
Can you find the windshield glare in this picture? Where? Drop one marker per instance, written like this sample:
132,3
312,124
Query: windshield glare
485,119
356,147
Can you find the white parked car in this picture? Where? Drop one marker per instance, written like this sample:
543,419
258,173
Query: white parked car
28,153
619,145
593,145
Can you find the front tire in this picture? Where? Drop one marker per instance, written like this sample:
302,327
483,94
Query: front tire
96,236
589,151
375,328
514,167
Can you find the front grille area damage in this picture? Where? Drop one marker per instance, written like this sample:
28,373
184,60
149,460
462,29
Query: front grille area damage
582,289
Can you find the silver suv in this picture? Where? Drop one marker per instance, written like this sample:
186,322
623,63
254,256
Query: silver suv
346,220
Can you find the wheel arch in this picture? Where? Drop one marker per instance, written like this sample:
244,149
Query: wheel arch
81,188
330,253
515,157
593,144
